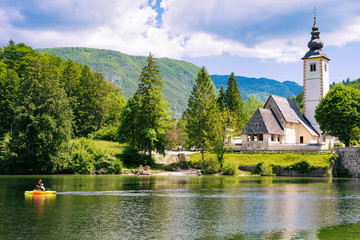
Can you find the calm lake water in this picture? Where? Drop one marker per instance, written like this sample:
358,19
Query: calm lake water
162,207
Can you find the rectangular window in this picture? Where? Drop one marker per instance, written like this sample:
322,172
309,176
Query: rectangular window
261,137
301,139
325,67
312,67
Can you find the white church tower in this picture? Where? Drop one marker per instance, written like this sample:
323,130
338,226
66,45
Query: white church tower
316,76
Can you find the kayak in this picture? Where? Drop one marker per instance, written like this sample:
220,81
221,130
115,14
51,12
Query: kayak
35,192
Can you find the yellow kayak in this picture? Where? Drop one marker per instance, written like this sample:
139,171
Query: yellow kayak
35,192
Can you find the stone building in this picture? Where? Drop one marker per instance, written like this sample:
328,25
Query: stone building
280,125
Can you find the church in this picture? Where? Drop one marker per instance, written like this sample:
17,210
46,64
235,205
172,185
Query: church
280,125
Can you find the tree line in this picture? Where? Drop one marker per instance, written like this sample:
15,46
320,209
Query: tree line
46,101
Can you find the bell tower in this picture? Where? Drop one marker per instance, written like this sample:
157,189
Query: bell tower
316,76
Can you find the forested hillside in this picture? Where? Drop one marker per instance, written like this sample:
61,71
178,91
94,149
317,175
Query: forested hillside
178,76
124,70
260,88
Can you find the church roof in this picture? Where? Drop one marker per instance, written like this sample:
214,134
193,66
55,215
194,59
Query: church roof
292,114
315,45
263,122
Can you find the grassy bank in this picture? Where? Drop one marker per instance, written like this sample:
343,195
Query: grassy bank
113,148
284,160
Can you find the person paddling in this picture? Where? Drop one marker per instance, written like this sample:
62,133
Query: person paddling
40,187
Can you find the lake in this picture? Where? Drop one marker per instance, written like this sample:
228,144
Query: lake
175,207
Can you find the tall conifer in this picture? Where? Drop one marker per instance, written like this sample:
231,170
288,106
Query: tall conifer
145,131
233,102
203,122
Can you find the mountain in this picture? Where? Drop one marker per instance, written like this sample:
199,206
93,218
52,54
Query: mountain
124,70
178,76
260,88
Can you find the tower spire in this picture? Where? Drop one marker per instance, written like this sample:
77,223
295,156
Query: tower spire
315,44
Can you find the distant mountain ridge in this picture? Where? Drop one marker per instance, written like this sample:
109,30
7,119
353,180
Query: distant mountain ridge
260,88
178,76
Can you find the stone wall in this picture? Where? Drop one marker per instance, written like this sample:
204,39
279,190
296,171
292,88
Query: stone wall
264,146
279,171
349,158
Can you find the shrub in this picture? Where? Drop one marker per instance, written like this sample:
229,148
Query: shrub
61,162
264,169
87,157
82,162
107,133
132,158
210,166
230,168
302,167
338,144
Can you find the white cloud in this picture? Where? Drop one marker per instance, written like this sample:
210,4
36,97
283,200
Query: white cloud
347,33
189,28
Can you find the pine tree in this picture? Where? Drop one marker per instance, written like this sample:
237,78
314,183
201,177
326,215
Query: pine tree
233,103
221,99
203,122
42,127
146,116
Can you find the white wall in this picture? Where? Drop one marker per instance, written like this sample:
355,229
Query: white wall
290,136
316,85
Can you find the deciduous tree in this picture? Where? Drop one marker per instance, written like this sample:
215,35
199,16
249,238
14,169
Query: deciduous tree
42,126
338,114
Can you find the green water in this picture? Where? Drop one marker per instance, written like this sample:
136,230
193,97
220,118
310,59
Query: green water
160,207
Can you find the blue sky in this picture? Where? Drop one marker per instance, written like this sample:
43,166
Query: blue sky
258,38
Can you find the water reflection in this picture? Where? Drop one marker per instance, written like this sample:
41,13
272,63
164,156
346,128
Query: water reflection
39,203
126,207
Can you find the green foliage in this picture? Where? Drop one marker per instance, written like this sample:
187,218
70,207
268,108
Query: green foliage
40,107
42,126
203,122
221,101
302,167
234,104
87,157
230,168
210,166
338,114
145,117
18,56
338,144
82,162
299,101
108,133
124,70
343,172
9,83
275,159
345,231
133,159
264,169
250,106
175,135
